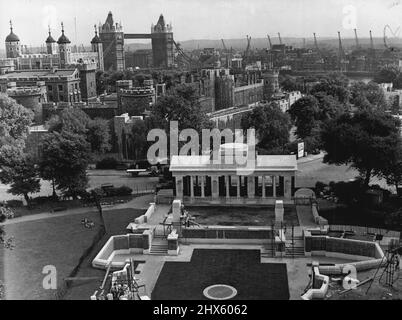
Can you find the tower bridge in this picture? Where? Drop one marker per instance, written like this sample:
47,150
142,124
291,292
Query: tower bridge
112,37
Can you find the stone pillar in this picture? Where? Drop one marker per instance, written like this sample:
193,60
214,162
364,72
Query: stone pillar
179,187
250,186
146,241
176,210
238,186
202,186
173,243
215,187
263,186
274,186
191,187
279,212
287,187
227,186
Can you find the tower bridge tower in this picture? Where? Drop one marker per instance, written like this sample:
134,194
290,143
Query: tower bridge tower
162,44
112,38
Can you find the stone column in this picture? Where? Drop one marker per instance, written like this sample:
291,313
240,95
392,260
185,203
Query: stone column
250,186
263,186
179,187
202,186
214,187
238,186
287,187
227,186
191,187
274,186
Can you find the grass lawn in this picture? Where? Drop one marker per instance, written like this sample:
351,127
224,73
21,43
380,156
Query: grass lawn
356,215
240,216
116,222
58,241
240,269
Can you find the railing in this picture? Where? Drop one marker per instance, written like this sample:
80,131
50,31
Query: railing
365,230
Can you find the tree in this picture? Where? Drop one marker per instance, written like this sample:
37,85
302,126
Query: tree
368,95
139,138
392,171
305,113
66,156
183,106
74,120
70,119
364,140
288,83
98,135
18,170
14,121
387,74
101,82
271,124
335,85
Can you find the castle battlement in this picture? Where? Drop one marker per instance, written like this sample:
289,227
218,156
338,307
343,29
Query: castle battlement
138,91
24,91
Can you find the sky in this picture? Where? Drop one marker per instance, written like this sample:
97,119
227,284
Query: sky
201,19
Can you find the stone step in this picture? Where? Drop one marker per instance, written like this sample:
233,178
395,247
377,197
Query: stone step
159,247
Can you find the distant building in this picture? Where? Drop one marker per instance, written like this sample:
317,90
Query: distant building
58,54
139,59
135,100
31,97
62,85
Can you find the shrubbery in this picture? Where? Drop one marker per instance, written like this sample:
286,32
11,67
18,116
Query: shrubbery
107,163
110,192
14,203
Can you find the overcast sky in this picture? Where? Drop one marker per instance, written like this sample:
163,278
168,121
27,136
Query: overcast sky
201,19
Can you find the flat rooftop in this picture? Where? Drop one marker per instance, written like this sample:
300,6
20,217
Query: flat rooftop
39,73
205,163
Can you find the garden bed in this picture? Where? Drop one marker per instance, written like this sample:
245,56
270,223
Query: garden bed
240,216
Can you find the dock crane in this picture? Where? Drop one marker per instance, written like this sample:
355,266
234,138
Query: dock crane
317,48
356,40
371,41
248,46
316,43
224,46
279,37
269,41
342,60
395,34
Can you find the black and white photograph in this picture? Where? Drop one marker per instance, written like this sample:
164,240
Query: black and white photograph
218,151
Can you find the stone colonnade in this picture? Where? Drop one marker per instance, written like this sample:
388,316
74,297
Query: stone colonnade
234,186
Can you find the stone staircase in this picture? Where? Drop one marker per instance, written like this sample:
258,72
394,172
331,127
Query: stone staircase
292,250
267,251
295,249
159,246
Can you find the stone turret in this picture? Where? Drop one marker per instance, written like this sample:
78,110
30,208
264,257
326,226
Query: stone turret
13,49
